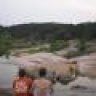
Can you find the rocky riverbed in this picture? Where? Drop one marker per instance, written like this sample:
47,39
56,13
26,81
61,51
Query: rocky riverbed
65,90
82,86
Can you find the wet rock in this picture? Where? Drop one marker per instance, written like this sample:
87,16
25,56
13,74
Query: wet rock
80,87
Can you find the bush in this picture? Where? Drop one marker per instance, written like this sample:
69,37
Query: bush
58,45
72,54
81,46
5,44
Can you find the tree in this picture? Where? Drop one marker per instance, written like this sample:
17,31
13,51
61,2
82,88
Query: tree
5,43
58,45
81,46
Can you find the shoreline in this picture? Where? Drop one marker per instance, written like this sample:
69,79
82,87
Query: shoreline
5,92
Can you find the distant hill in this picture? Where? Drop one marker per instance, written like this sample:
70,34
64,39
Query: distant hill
48,32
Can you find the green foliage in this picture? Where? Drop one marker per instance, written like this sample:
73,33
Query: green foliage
72,54
57,45
5,43
48,32
40,48
81,46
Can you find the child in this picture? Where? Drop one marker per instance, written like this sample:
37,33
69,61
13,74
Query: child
42,86
22,84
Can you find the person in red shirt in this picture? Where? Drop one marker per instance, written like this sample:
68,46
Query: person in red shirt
22,84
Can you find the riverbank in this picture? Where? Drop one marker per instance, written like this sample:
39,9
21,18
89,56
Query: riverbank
7,71
66,90
6,92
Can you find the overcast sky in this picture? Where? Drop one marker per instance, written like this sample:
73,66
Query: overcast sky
64,11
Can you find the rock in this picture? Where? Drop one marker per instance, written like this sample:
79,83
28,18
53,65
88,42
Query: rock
50,61
79,87
87,65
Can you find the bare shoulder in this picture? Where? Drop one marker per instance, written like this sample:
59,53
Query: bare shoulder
36,81
15,78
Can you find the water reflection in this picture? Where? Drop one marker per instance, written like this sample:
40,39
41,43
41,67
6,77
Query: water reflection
7,71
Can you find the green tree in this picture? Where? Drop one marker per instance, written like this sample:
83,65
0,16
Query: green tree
81,46
57,45
5,43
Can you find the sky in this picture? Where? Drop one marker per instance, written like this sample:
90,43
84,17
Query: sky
62,11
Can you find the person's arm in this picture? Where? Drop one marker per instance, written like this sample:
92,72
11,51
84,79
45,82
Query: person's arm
13,87
33,85
29,83
51,88
14,83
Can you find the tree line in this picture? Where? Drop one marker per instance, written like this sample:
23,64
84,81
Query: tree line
45,33
49,32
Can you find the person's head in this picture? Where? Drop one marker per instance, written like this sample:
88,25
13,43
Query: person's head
42,72
21,73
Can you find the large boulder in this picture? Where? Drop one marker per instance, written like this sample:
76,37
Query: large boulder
87,65
50,61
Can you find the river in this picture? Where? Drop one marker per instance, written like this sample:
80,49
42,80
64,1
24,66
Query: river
8,71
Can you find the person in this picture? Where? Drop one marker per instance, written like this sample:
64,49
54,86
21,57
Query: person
42,86
22,84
